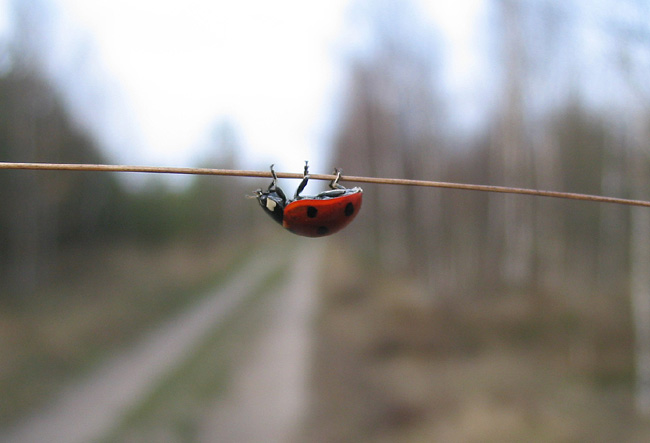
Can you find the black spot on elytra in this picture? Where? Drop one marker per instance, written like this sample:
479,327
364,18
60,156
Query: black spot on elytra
311,212
349,209
322,230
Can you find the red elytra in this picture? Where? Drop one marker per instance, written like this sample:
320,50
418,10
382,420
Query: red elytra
315,216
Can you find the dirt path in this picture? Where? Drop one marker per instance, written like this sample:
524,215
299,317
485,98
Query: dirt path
270,392
91,407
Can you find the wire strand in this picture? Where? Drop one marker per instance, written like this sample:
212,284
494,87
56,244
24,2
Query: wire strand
346,178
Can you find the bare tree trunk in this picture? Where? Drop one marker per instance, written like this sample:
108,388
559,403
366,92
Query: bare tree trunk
612,247
25,233
511,217
640,286
640,279
549,247
518,214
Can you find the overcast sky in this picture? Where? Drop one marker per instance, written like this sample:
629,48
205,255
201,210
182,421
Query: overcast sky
168,71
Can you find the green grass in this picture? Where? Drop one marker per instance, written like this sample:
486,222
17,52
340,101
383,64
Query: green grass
101,299
175,407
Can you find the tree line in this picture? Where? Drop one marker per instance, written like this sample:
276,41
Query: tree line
43,214
564,108
541,130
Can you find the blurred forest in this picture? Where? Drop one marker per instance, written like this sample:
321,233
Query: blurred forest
88,261
563,285
566,108
547,127
43,216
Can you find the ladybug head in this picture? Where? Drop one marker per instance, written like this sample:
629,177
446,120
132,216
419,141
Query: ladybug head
273,199
273,202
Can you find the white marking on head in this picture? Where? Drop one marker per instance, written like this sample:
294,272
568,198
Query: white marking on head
270,204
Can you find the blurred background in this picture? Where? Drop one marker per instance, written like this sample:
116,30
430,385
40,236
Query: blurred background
438,314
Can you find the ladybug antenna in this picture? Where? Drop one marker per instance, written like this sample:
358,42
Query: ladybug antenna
334,184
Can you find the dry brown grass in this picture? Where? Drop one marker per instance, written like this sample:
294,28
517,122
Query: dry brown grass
392,363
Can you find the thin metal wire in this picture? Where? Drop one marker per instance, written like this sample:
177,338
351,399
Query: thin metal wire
346,178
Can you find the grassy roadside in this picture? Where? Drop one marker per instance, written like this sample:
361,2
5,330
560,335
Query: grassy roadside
391,363
102,299
174,410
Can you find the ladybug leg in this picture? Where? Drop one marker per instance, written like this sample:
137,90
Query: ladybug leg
274,184
273,187
334,184
303,183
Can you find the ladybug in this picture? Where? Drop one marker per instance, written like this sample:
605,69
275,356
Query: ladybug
311,216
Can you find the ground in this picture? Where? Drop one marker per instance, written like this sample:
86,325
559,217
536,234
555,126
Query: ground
269,367
310,345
